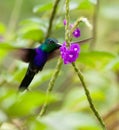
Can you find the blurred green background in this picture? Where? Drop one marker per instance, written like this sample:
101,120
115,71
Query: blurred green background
25,24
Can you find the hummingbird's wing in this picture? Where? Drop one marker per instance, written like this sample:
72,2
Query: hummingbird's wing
24,54
83,41
54,54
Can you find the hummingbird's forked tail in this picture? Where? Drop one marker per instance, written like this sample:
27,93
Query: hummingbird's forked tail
27,80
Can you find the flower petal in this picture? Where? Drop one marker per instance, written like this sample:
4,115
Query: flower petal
65,21
76,33
75,47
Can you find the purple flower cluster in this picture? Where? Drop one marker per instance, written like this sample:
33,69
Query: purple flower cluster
76,33
70,54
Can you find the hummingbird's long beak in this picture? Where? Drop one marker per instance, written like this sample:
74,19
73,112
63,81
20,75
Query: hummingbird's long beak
58,45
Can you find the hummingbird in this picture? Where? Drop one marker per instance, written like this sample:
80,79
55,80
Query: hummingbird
37,58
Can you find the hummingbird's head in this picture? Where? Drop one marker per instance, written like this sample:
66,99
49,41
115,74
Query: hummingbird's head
50,45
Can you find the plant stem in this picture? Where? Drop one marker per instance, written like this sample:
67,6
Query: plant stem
67,33
58,67
88,96
69,38
52,18
51,85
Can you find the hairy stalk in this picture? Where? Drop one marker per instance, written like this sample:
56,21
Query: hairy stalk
88,96
58,66
67,25
83,82
52,18
69,38
14,18
95,19
51,85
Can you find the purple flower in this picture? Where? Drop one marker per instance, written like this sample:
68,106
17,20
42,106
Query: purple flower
70,54
76,33
71,25
65,21
75,47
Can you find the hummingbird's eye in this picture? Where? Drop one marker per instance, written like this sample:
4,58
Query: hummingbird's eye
51,41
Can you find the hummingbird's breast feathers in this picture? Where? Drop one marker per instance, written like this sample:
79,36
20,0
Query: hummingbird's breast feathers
40,58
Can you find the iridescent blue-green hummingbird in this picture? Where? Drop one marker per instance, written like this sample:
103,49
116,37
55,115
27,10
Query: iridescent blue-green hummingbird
37,58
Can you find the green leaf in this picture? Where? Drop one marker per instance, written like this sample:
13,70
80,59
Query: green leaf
23,103
86,4
95,59
33,29
34,34
7,98
43,8
26,103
